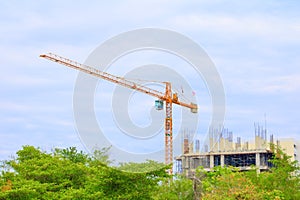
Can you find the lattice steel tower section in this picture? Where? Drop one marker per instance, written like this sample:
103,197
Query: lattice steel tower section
166,96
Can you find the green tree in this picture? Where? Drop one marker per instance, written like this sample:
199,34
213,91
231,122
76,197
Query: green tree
174,188
281,182
72,154
283,176
147,166
229,183
71,174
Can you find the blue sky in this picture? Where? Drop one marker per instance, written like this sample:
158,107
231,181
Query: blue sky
255,47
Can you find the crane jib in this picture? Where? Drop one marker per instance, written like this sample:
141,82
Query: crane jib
168,97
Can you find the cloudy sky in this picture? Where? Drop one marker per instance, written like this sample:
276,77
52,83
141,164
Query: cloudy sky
254,45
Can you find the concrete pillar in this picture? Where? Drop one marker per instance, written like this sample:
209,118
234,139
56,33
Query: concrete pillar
222,160
211,161
257,162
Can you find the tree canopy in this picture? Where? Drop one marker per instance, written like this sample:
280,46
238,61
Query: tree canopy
281,182
72,174
69,174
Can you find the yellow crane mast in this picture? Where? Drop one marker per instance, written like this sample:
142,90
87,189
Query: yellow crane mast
167,96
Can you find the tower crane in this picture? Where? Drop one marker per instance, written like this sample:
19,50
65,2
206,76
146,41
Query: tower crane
167,96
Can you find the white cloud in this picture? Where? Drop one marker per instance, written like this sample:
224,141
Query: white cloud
283,85
255,46
263,26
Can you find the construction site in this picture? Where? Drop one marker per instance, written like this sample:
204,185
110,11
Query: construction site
221,150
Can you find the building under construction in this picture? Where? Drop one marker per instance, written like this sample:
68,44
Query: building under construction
221,150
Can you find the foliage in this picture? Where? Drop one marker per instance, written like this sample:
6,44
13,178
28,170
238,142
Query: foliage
283,177
228,183
147,166
71,174
177,187
101,156
281,182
